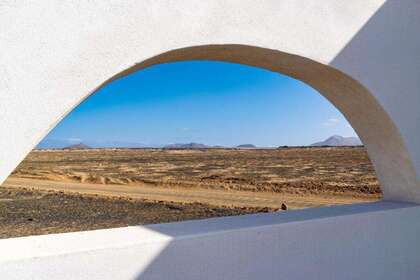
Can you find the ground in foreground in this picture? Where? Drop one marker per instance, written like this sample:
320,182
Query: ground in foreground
59,191
26,212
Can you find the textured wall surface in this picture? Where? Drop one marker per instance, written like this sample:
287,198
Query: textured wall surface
362,55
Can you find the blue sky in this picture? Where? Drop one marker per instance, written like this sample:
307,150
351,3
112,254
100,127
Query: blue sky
214,103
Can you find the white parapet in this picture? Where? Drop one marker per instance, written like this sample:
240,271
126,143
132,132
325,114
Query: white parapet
366,241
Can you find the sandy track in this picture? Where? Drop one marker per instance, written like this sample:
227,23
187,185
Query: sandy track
213,197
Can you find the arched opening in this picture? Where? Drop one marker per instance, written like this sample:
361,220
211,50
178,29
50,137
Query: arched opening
52,62
377,131
258,156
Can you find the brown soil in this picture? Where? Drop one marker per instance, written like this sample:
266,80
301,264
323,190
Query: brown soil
31,212
57,191
291,170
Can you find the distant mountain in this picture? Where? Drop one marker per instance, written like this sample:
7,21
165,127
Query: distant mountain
186,146
79,146
115,144
56,143
63,143
339,141
246,146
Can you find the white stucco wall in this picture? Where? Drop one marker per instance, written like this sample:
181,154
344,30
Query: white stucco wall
376,241
362,55
54,54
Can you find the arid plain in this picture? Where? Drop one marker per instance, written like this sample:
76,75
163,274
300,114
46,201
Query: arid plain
68,190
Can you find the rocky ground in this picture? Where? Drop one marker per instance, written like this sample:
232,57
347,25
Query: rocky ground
293,170
31,212
73,190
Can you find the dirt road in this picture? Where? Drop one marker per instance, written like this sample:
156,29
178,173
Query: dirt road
208,196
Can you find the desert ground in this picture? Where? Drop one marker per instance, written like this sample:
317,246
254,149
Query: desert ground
70,190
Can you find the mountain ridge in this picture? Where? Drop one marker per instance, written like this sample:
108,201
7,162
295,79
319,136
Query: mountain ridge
338,141
246,146
79,146
191,145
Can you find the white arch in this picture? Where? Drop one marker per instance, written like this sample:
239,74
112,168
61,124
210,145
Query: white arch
363,55
52,62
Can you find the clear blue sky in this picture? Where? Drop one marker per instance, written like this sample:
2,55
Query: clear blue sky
213,103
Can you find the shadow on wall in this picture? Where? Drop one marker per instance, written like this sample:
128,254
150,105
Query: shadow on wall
283,246
393,27
390,41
